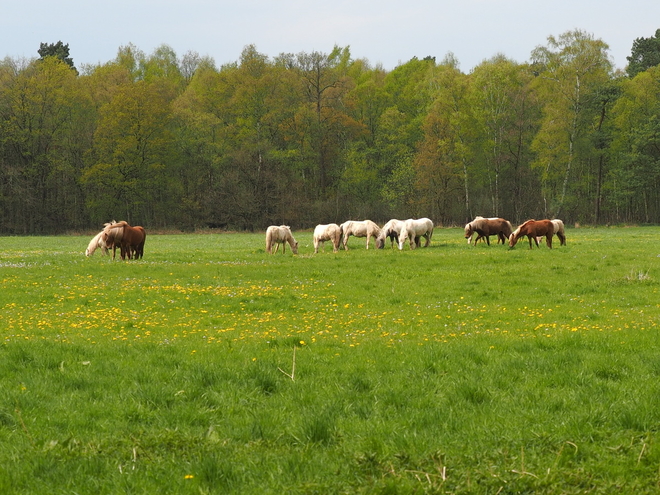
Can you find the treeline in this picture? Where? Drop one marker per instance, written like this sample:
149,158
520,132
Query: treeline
301,139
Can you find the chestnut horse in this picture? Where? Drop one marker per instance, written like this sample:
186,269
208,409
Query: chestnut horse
391,229
485,227
365,228
280,235
330,232
130,240
533,229
559,231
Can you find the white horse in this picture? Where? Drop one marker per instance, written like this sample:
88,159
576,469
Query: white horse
330,232
391,229
415,230
365,228
558,227
96,242
280,235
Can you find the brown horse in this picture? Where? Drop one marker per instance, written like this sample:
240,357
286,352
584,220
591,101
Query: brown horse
533,229
130,240
485,227
559,231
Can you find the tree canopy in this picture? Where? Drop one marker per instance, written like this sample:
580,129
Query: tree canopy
174,141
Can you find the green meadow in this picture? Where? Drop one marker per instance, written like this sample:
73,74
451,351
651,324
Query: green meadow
210,366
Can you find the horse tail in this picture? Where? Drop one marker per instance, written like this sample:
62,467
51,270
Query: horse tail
269,240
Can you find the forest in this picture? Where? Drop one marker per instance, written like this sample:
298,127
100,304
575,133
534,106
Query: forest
174,142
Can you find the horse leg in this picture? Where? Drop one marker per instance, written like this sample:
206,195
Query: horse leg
562,239
548,240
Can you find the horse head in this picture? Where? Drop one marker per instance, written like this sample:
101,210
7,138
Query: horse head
513,239
468,232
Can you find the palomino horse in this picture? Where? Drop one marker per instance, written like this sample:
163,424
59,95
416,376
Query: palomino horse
330,232
485,227
365,228
98,242
391,229
414,230
533,229
280,235
558,226
130,240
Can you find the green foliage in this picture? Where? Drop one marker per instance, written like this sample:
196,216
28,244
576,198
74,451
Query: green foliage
645,53
58,50
306,138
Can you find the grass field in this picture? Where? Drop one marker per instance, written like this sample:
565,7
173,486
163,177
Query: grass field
212,367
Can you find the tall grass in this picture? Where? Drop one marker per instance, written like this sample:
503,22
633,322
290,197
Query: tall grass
212,367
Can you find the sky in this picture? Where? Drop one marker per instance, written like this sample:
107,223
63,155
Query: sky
384,32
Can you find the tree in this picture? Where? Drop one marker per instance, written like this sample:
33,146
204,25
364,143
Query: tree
134,151
645,53
445,155
35,129
571,70
634,181
59,50
505,111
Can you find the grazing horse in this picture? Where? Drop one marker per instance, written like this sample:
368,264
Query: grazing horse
414,230
280,235
533,229
558,226
365,228
391,229
130,240
330,232
96,242
485,227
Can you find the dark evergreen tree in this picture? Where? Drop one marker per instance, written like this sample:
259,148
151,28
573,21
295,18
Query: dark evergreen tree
59,50
645,53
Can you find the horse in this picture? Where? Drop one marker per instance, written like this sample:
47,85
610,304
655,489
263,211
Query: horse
485,227
130,240
533,229
365,228
280,235
559,230
391,229
415,230
330,232
96,242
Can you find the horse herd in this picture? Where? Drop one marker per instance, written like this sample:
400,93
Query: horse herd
130,240
413,230
399,231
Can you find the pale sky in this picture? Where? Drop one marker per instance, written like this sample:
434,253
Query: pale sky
384,32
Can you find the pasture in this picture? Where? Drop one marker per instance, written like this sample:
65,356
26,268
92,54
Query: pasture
210,366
